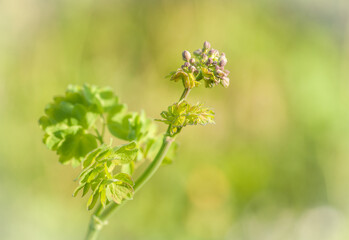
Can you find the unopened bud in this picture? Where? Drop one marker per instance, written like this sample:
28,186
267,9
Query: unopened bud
220,72
191,68
218,68
213,52
223,61
204,57
192,61
186,64
225,82
226,72
198,52
186,55
209,61
207,45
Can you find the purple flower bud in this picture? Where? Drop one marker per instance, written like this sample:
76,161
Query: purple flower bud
226,72
186,55
223,61
225,82
220,72
214,62
192,61
207,45
209,61
222,54
213,52
204,57
198,52
191,68
186,64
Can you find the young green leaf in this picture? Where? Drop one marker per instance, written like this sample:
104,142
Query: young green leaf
182,114
126,153
102,176
131,127
70,121
92,201
76,191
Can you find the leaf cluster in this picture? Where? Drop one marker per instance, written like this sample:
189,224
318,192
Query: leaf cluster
69,122
102,176
73,125
137,127
182,114
131,126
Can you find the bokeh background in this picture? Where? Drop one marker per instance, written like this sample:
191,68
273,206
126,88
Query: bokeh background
276,164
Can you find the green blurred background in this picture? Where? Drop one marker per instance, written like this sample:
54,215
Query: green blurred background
276,164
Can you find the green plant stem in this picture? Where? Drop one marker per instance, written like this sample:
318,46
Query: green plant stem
99,217
184,95
99,136
103,127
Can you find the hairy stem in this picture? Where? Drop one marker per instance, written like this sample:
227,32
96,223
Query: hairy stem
99,217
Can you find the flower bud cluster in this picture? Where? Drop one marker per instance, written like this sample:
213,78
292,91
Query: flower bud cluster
205,64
